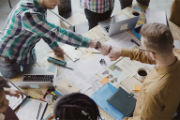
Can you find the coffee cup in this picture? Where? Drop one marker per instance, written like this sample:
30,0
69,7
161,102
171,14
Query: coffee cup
142,73
135,13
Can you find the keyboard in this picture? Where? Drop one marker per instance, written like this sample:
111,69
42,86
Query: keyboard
38,78
107,28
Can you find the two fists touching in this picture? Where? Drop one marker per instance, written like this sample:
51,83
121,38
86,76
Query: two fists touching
113,52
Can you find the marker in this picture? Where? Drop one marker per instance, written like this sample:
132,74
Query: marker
38,111
133,41
45,94
58,93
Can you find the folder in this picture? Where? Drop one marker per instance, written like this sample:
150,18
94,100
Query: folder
123,101
101,96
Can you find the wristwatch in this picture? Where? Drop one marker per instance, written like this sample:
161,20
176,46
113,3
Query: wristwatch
98,45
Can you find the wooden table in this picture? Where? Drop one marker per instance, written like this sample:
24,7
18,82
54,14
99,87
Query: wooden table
95,33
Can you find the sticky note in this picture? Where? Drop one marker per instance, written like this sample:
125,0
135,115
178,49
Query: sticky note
34,86
52,68
137,88
104,81
116,73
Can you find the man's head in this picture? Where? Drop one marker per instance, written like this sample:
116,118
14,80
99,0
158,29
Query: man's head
3,101
49,4
156,40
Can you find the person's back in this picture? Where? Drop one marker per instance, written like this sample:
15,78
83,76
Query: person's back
160,94
76,106
17,41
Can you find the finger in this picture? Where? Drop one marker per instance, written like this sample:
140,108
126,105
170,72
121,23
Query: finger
22,95
113,59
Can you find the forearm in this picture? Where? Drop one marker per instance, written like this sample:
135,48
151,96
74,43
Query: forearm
136,54
36,24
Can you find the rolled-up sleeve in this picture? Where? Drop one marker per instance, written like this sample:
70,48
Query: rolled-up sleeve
136,54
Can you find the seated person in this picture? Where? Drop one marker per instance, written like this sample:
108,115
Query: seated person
76,106
6,113
160,94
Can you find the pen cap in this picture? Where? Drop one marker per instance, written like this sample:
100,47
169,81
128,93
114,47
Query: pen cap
61,63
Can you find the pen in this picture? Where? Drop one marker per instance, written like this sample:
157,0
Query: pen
133,41
38,111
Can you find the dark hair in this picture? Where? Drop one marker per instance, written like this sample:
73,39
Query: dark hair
76,106
158,37
3,83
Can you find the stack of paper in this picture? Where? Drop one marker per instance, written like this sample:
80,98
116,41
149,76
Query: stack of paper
156,16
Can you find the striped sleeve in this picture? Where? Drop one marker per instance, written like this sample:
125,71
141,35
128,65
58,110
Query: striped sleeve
52,44
35,23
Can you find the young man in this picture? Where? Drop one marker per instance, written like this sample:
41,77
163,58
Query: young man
160,93
6,113
25,26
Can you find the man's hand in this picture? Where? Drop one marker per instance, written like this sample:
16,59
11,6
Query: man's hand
105,49
15,93
59,52
115,53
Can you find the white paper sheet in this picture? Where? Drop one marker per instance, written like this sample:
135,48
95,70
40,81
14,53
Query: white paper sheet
157,16
29,109
122,40
176,44
87,69
94,87
129,67
73,78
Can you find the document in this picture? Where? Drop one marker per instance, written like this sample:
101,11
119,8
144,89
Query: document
130,67
94,87
123,40
74,79
157,16
29,109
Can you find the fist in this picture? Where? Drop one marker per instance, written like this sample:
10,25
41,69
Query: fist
115,53
105,49
59,52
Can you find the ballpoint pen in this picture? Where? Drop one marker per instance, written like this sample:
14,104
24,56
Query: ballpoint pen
38,111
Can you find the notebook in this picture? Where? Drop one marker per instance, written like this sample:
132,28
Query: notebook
29,109
101,96
123,101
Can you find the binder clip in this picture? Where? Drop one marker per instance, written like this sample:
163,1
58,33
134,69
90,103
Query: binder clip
102,61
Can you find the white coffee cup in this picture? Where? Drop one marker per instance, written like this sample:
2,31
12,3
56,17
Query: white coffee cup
142,74
135,13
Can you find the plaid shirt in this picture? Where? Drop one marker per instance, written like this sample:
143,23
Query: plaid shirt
26,25
98,6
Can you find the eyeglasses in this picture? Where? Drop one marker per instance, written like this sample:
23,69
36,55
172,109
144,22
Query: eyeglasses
140,48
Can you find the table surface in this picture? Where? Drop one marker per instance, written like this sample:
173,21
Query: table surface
95,33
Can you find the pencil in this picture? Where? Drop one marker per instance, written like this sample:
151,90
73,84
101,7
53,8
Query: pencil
38,111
